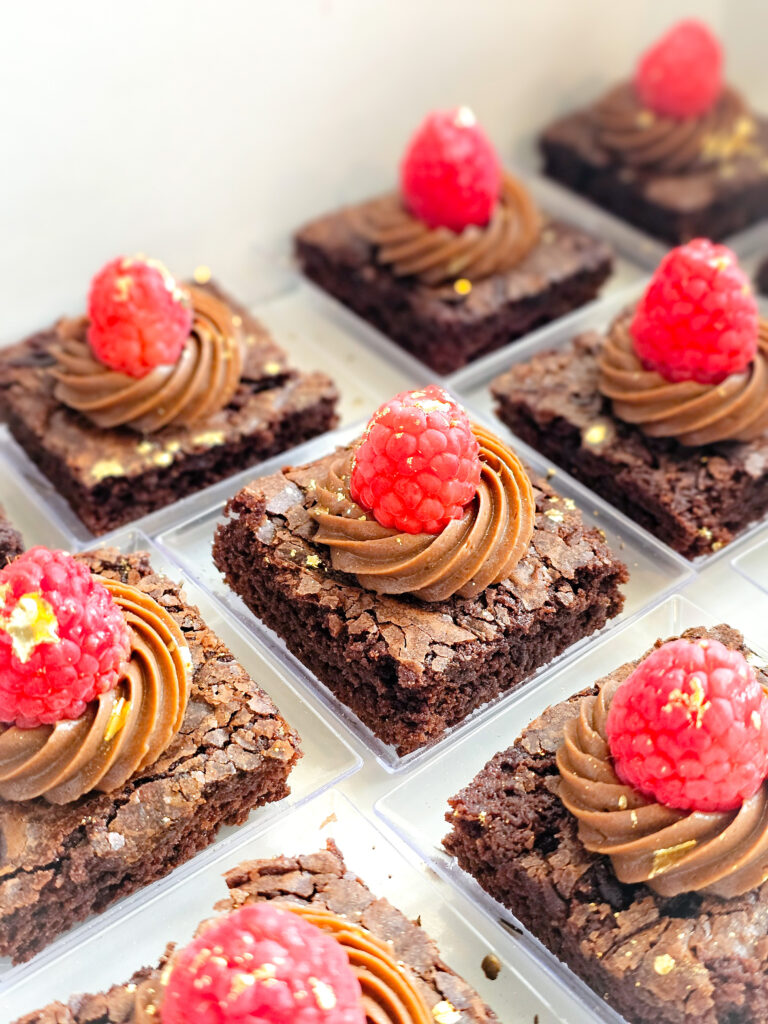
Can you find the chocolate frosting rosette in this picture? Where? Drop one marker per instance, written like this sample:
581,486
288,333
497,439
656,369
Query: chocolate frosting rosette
457,216
426,504
94,679
151,353
690,362
666,772
676,116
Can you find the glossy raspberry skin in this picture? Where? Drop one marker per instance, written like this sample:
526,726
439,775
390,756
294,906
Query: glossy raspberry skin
418,465
59,678
292,964
450,175
139,317
689,727
681,75
698,319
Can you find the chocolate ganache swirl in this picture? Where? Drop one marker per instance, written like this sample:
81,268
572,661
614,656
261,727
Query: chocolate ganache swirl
722,853
389,992
481,548
410,248
120,732
692,413
650,141
202,380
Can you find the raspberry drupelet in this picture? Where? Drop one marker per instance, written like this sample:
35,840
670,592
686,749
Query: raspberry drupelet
139,316
418,464
689,727
698,319
63,639
450,175
681,75
266,965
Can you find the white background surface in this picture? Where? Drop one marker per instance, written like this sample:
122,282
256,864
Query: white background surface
202,132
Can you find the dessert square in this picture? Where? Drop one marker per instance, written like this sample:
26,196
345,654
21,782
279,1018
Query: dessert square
448,325
411,669
112,475
321,885
665,959
694,498
11,541
62,862
676,166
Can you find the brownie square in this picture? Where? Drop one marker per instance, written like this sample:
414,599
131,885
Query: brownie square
438,325
11,542
320,880
689,958
675,207
694,499
410,670
111,477
234,752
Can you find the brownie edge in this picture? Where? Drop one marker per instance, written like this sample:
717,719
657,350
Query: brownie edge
322,880
11,541
680,960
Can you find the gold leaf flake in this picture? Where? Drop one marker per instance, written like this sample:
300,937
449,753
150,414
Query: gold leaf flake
163,458
32,622
106,467
445,1012
598,433
313,561
623,802
324,995
272,368
209,438
462,286
663,963
117,719
555,514
669,856
202,274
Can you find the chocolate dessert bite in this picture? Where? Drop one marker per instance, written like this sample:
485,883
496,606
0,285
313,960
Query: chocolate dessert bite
666,413
457,262
300,939
627,828
418,572
676,151
11,541
128,736
161,390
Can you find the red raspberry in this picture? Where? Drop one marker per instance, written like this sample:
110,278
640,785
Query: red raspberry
689,727
418,464
681,75
698,319
450,174
63,639
262,965
140,318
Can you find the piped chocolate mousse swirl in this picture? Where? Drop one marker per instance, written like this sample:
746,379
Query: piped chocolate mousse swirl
723,853
471,553
649,141
389,992
122,731
410,248
692,413
202,381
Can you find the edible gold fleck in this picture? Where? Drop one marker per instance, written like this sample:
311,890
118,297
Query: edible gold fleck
272,368
705,532
202,274
716,545
598,433
664,963
555,514
462,286
313,561
669,856
32,622
623,802
445,1012
324,995
236,320
106,467
209,437
144,447
163,458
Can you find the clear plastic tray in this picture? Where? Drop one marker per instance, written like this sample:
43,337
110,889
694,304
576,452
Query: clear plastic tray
135,934
314,337
753,563
23,506
655,571
416,809
327,758
472,384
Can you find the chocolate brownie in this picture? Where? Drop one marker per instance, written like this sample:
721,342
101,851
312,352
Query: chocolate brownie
694,499
657,960
234,752
440,326
323,881
113,476
711,203
11,542
410,670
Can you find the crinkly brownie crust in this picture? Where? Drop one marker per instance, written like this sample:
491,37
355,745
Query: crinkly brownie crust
112,477
437,325
694,499
234,752
320,879
407,669
11,542
691,958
